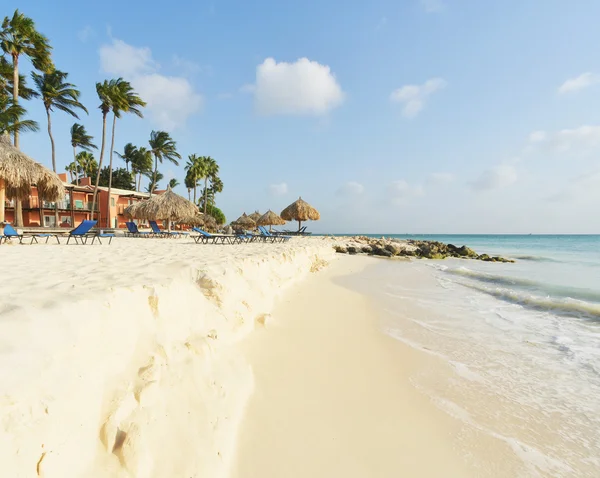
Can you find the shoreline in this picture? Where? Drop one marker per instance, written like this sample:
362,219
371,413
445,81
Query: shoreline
333,394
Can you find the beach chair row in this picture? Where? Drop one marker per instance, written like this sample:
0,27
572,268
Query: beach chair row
133,231
264,235
80,235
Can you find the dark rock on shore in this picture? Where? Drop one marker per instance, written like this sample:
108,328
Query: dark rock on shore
409,248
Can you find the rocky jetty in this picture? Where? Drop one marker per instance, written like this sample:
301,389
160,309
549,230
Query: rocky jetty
388,247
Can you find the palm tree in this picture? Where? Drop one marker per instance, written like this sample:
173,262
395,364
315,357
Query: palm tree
173,183
56,93
195,168
87,165
155,177
125,100
105,91
129,152
12,118
72,170
162,147
80,139
19,37
216,186
141,164
190,183
211,172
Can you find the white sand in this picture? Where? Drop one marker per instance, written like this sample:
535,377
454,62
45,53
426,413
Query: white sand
333,397
114,363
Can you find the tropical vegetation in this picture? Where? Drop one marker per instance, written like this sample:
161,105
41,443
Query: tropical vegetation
20,39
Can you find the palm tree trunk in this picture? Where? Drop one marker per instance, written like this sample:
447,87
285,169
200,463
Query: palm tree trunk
99,163
154,175
139,183
18,203
189,194
75,163
205,192
15,59
195,187
112,146
53,165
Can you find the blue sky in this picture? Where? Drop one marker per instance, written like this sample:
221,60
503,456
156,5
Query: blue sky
413,116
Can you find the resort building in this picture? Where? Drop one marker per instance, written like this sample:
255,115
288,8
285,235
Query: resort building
76,206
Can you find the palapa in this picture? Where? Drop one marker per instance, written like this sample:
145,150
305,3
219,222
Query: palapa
245,221
270,219
300,211
197,219
18,172
210,223
255,216
166,206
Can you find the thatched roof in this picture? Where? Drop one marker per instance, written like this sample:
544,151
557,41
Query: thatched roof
167,205
270,219
245,221
300,211
210,223
196,220
255,216
20,172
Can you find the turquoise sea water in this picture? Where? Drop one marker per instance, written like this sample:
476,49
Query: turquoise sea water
523,340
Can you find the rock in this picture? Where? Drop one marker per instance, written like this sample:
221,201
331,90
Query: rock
393,248
483,257
464,251
352,250
380,251
366,249
340,249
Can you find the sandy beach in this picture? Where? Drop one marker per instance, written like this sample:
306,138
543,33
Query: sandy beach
333,396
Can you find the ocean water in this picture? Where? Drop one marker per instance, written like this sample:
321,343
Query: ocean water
517,347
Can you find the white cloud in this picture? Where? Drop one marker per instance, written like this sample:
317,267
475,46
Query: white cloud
580,82
400,192
582,139
498,177
351,188
537,136
413,97
86,33
432,6
441,178
189,67
301,88
171,99
278,189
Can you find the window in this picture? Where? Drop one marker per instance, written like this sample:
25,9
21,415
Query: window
49,221
112,202
65,220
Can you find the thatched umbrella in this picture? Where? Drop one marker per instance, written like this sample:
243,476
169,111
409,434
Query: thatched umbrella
166,206
270,219
18,172
245,221
197,219
255,216
300,211
210,223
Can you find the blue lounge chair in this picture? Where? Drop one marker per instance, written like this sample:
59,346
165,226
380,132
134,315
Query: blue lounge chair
274,237
204,237
10,233
156,230
82,233
134,231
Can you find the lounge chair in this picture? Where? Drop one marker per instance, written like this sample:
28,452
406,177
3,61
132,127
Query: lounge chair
134,231
10,233
156,230
82,233
204,237
281,238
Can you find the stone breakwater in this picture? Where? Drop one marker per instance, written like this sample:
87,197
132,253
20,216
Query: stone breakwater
388,247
